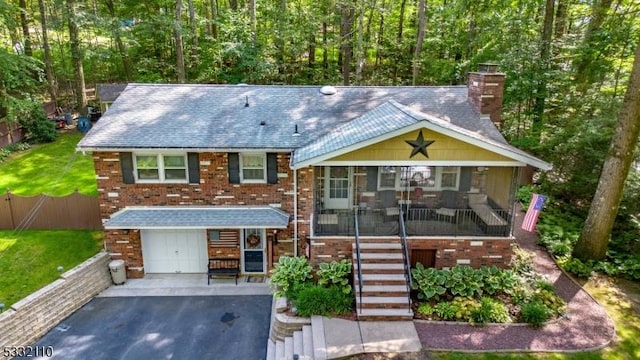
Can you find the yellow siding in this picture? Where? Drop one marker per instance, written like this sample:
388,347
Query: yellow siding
499,185
444,148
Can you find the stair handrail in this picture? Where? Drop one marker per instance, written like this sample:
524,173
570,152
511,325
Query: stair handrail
405,255
357,238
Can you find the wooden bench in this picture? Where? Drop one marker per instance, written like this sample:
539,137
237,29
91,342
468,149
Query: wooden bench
223,267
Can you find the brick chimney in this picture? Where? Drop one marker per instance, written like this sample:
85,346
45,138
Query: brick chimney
486,91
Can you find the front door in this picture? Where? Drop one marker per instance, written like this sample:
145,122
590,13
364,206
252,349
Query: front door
337,187
253,251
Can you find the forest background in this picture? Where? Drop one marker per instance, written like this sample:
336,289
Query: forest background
568,65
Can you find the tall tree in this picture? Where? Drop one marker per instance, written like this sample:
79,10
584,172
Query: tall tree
590,48
177,36
194,30
347,13
24,23
117,34
545,56
76,57
48,61
593,240
419,39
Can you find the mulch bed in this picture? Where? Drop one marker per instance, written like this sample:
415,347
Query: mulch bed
586,326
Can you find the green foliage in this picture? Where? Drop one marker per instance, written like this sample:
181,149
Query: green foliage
463,281
429,282
288,273
319,300
535,313
524,194
464,307
490,311
555,304
425,309
39,129
335,273
445,310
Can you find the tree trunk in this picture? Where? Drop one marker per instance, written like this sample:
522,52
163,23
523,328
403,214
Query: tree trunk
48,62
76,59
360,47
194,30
561,19
420,38
380,37
346,45
312,50
178,40
233,4
325,49
403,6
593,240
24,23
279,40
214,18
589,45
254,25
545,47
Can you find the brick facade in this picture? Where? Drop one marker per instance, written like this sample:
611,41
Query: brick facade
486,92
449,252
214,189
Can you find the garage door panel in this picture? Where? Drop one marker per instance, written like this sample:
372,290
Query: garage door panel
174,251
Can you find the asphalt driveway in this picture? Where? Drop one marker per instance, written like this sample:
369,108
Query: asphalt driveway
196,327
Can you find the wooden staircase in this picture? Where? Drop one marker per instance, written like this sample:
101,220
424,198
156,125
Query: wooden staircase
385,293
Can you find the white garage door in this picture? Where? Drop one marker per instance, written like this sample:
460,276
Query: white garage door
174,251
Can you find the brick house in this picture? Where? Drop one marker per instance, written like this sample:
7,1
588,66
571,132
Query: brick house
187,172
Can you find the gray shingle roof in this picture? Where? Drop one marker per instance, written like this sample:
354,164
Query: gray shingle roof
109,92
387,118
215,116
198,217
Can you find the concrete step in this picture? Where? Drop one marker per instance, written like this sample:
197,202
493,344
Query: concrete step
279,350
383,302
271,350
381,279
297,343
381,266
379,246
384,314
381,256
380,289
307,341
288,347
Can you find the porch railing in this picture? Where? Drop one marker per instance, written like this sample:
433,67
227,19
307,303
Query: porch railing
417,222
358,261
405,255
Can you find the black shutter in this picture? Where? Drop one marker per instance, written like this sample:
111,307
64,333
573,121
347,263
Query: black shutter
465,178
372,178
126,165
272,168
234,168
194,168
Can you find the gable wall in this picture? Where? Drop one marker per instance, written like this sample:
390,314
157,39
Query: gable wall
214,189
444,148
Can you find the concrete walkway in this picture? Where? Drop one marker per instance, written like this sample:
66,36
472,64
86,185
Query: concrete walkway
345,338
186,285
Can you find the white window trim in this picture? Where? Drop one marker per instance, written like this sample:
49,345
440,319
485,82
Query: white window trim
264,168
396,184
438,178
161,169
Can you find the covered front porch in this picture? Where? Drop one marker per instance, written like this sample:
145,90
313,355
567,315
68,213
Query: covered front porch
425,200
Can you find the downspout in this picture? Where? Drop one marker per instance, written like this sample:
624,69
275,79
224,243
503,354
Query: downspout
295,212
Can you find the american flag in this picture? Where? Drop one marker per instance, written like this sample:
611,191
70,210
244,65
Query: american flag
535,207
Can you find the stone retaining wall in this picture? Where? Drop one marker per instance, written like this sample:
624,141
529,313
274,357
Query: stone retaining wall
32,317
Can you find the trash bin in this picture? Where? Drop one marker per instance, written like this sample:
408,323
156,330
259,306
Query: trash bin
118,272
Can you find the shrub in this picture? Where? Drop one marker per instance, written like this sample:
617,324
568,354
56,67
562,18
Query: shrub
425,309
318,300
445,310
428,281
464,307
39,129
4,153
576,266
335,273
545,285
535,313
490,311
553,302
463,281
288,273
312,300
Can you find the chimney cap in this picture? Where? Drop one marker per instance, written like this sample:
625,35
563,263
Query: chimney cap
487,67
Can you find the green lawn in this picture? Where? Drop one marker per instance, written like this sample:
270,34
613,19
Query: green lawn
29,260
53,169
